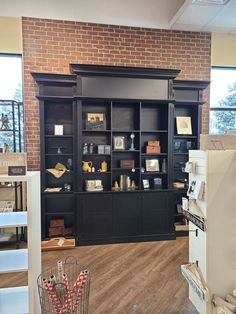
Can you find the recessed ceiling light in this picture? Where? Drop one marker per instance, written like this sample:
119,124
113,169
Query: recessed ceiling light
210,2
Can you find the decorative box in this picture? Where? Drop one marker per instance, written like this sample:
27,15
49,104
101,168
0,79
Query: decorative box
127,164
67,231
55,231
101,149
153,149
153,143
107,149
56,223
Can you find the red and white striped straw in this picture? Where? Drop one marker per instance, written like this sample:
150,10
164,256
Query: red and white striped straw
71,293
80,291
52,295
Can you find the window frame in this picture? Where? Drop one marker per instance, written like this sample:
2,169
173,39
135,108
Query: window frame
217,109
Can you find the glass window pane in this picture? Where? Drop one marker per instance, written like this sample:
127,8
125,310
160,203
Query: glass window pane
223,87
10,77
222,121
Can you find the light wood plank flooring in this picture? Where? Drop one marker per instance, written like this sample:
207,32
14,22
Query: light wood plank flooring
131,278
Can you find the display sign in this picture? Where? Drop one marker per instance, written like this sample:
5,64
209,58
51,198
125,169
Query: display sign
12,159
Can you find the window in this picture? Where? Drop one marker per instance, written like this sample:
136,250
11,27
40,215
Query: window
11,106
223,100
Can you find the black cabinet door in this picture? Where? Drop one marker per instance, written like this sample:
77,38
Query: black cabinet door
94,215
157,216
127,214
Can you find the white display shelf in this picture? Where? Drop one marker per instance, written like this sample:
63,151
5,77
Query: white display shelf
27,177
22,300
13,261
14,300
13,219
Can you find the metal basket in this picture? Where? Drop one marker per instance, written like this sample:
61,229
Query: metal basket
58,292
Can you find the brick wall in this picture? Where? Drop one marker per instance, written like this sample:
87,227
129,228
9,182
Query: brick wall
51,45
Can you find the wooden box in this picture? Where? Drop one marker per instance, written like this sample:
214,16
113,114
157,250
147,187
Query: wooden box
67,231
217,142
153,143
153,149
57,223
55,231
12,159
127,164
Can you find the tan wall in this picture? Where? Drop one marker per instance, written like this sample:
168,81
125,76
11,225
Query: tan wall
10,35
223,50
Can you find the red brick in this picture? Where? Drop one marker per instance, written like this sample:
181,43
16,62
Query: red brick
51,45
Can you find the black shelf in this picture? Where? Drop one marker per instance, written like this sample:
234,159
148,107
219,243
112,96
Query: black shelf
125,131
185,136
155,131
149,111
96,131
58,136
124,169
96,155
154,173
156,154
126,151
58,155
96,173
58,213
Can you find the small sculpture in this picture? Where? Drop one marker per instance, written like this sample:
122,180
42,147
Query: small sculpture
103,166
5,122
132,136
87,166
5,148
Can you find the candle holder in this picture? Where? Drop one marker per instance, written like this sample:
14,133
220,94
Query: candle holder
132,136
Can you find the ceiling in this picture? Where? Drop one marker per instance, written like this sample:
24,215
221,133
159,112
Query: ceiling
162,14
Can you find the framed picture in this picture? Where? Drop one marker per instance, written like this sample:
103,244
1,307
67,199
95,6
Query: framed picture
58,129
152,165
119,142
146,184
184,125
95,121
196,189
157,183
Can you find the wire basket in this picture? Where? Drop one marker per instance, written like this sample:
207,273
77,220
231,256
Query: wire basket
64,289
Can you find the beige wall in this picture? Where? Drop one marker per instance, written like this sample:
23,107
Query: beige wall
223,50
10,35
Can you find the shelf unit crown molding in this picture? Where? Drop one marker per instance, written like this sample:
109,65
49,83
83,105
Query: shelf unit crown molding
118,71
190,84
54,78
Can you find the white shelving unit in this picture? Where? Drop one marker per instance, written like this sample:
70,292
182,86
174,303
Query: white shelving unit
21,300
215,249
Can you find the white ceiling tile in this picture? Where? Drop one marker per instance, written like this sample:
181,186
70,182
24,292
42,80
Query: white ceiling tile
198,15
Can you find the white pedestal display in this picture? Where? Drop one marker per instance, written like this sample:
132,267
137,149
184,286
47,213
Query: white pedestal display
215,249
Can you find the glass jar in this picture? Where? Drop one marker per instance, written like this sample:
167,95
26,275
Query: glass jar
85,149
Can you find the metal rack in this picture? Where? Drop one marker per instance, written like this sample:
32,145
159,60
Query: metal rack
13,136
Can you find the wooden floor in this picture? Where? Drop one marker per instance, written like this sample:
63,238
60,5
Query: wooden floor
133,278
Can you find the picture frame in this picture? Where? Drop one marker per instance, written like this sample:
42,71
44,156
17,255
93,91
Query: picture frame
146,184
196,189
157,183
184,125
119,142
95,121
152,165
58,129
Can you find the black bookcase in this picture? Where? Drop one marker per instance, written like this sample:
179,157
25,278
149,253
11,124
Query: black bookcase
140,102
188,103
